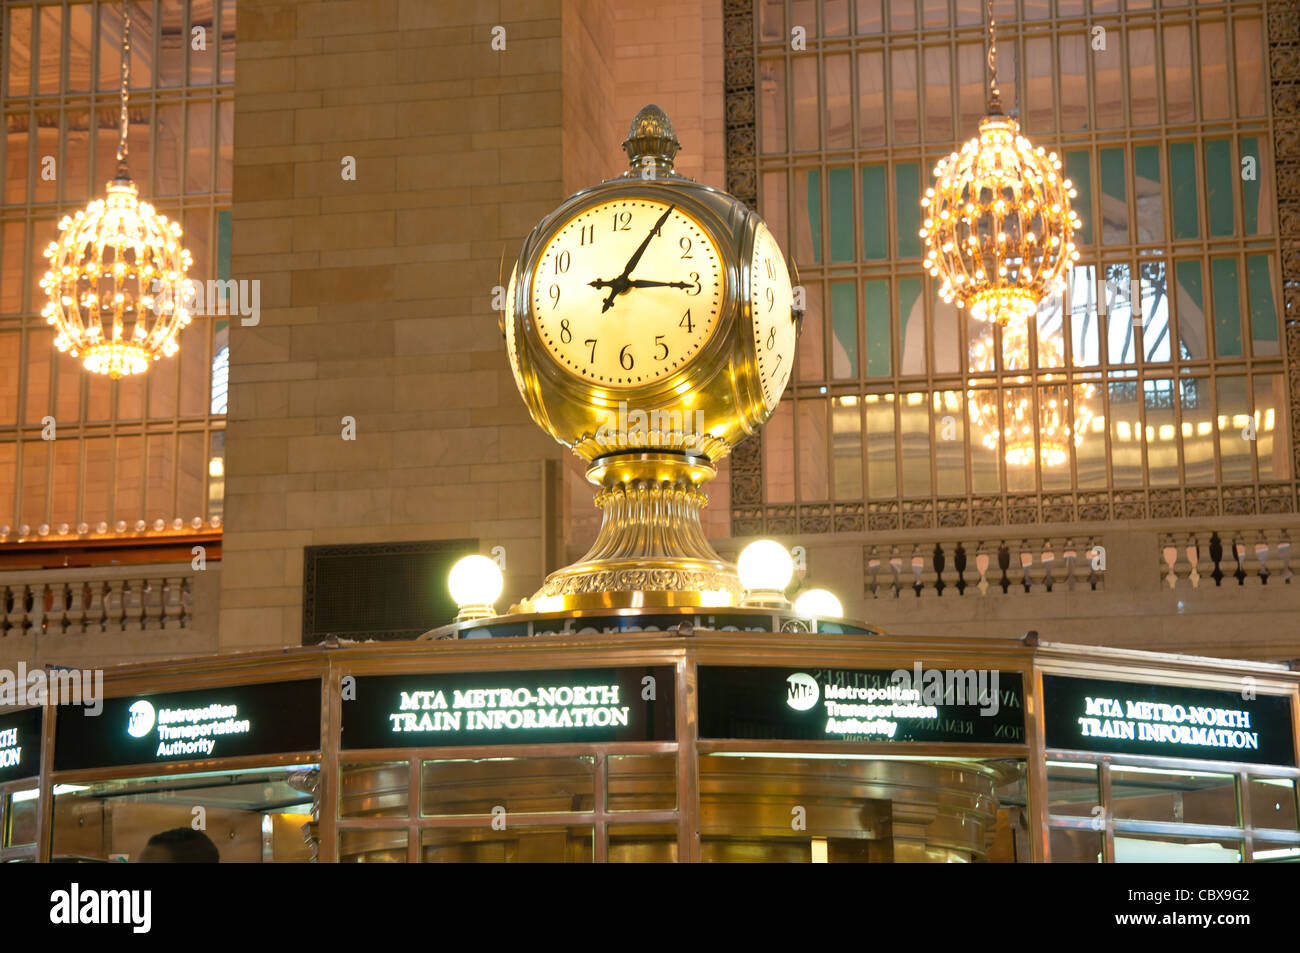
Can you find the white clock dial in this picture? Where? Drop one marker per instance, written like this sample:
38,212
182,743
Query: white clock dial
771,299
626,293
510,326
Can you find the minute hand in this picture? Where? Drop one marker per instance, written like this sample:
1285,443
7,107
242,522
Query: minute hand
621,283
653,232
639,283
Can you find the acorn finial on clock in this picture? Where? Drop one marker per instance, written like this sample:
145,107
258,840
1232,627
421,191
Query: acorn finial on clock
650,328
651,137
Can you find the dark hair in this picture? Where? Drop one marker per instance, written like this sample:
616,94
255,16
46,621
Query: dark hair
187,846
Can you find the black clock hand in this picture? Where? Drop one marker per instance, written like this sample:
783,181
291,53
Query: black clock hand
639,283
622,283
641,251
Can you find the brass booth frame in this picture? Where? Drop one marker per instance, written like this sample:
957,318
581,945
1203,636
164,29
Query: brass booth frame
685,651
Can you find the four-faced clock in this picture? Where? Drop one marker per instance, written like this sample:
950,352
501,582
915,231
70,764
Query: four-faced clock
771,300
628,291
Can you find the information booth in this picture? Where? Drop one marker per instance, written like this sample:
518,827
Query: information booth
674,736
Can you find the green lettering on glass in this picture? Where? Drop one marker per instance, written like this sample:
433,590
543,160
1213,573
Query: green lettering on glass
1079,171
1263,312
814,207
875,221
1182,182
877,321
844,324
1218,179
841,213
1250,187
1227,307
907,197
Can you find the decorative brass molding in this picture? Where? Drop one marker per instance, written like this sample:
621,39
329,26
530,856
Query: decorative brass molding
651,548
739,65
1015,509
1284,84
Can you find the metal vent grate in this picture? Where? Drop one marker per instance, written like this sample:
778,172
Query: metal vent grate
378,590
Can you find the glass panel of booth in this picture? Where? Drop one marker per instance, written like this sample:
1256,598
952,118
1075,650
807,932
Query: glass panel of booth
619,803
1147,772
257,815
805,807
226,773
20,764
553,765
1172,812
1273,803
19,803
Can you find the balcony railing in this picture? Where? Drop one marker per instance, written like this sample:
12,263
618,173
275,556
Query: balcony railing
97,599
1196,560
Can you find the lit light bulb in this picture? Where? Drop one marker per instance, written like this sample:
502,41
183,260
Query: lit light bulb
475,583
819,602
765,569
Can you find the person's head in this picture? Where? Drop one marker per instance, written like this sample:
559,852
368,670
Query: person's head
180,846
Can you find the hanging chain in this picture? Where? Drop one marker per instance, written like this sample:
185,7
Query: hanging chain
126,82
995,99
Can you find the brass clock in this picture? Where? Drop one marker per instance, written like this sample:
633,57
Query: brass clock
650,327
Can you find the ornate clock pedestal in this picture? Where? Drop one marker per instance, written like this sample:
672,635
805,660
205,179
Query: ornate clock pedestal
651,550
650,328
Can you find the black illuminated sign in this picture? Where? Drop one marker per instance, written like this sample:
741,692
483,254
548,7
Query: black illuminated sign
20,744
1167,720
226,722
509,708
872,705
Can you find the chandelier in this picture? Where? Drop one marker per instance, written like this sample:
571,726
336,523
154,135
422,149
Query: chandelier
1053,422
999,231
117,284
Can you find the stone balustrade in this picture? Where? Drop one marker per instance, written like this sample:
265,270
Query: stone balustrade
965,568
99,599
1243,558
984,568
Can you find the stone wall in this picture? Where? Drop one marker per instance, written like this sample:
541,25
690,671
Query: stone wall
376,292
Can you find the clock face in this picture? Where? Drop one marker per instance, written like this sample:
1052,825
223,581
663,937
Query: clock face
771,299
626,293
510,326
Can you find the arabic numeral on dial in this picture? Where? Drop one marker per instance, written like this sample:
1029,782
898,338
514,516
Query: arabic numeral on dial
562,263
588,233
659,342
622,221
771,269
554,292
592,343
686,322
685,245
565,334
771,298
771,338
625,360
695,277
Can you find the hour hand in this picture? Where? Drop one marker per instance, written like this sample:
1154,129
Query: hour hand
641,283
616,288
